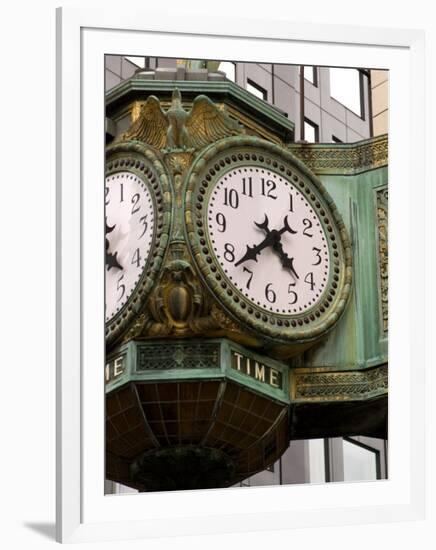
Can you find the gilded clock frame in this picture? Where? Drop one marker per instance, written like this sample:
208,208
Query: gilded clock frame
207,168
142,161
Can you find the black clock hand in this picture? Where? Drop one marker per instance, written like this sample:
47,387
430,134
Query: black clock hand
111,259
286,227
253,251
263,225
277,246
275,232
287,262
271,238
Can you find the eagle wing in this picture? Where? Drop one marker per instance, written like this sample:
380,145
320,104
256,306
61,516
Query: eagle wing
206,123
151,125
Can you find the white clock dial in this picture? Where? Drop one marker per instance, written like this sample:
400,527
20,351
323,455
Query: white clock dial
268,240
129,234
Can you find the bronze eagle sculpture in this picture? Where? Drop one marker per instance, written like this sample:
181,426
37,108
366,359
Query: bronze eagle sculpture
179,129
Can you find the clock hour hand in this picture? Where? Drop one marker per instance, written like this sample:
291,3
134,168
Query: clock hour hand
264,225
287,262
277,246
111,259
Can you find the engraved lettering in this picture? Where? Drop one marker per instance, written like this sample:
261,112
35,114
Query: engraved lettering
259,372
238,360
273,378
118,366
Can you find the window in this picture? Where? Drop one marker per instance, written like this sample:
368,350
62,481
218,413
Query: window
361,462
317,461
346,86
256,90
310,74
138,61
229,69
311,131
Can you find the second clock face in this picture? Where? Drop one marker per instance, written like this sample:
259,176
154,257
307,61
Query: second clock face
268,240
129,234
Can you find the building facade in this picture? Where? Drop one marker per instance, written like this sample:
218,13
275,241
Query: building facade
323,105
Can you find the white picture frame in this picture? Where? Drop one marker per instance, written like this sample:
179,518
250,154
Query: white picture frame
84,35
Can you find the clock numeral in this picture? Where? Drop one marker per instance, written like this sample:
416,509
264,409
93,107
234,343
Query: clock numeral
268,187
292,294
318,255
309,280
143,220
106,196
291,202
221,221
307,225
247,286
229,252
247,187
270,295
121,287
231,198
135,200
136,258
121,192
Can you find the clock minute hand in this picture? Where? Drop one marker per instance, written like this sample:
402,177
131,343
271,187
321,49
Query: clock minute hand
272,237
285,228
254,251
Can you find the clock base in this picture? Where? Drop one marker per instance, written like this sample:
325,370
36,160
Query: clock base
181,468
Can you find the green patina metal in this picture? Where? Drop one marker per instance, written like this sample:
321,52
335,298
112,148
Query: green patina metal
358,340
348,364
155,361
343,158
225,91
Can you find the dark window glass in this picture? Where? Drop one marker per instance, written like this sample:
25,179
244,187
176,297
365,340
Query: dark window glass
256,90
311,131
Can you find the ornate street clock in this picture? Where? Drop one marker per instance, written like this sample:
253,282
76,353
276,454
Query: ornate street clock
226,259
268,239
137,217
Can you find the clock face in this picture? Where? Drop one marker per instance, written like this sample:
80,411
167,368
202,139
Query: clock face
130,221
268,240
